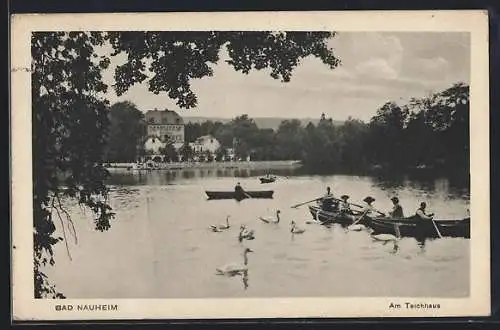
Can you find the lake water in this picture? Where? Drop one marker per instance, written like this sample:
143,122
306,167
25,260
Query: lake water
159,245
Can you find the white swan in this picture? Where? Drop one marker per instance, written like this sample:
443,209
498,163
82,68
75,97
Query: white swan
295,229
219,228
355,227
271,219
235,268
388,237
246,233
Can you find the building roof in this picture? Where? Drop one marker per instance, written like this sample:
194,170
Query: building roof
163,117
204,138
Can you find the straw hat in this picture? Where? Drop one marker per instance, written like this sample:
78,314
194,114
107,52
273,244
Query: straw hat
369,199
344,197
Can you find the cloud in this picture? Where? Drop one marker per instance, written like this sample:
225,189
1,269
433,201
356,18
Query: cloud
376,68
431,68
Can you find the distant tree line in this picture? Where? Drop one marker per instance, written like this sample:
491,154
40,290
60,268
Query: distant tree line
427,132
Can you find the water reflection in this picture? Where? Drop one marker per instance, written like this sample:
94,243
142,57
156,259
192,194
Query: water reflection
161,234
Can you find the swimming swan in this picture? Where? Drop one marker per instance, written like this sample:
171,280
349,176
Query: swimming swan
271,219
295,229
235,268
219,228
355,227
388,237
246,233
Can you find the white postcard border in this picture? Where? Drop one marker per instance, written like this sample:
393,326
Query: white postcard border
25,307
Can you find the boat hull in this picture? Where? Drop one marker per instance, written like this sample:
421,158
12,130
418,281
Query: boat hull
239,196
332,217
408,227
418,228
267,180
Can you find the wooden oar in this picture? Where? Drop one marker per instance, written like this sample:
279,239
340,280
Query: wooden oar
360,206
437,230
314,200
248,196
359,219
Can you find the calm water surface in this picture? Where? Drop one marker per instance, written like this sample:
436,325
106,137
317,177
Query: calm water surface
160,246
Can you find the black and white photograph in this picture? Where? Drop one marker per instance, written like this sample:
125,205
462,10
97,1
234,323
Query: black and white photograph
267,164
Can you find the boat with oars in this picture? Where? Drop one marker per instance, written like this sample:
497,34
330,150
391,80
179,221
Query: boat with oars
267,179
329,217
409,227
416,227
239,195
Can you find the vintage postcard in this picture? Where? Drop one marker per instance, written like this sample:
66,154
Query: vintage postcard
250,165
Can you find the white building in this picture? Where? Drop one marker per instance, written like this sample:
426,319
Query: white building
205,143
153,145
166,125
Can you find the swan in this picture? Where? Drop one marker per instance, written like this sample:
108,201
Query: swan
246,233
235,268
271,219
295,229
355,227
388,237
220,227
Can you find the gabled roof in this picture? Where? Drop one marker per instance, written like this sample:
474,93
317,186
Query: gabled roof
165,117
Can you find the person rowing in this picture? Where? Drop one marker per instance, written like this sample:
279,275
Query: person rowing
425,225
344,206
421,212
397,210
368,210
328,201
240,193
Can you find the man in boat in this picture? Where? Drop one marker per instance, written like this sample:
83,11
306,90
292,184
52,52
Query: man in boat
239,190
344,206
328,202
397,210
421,212
424,224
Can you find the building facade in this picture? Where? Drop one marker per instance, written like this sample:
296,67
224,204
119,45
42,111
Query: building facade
165,125
205,143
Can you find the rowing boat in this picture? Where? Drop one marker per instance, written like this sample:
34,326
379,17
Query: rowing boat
328,217
416,227
409,227
267,179
239,195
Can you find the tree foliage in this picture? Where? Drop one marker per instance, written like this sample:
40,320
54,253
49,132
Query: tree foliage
431,131
127,133
175,58
69,131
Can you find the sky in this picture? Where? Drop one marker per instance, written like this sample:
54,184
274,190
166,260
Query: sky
376,67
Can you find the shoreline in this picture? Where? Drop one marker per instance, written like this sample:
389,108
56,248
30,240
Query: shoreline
131,167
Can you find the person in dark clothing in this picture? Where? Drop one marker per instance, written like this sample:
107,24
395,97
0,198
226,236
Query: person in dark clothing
328,201
397,210
421,212
425,227
239,192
